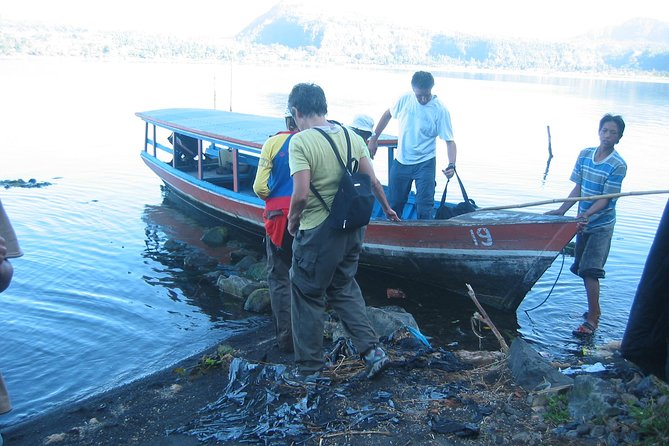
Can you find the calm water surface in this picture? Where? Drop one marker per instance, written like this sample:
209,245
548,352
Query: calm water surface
97,301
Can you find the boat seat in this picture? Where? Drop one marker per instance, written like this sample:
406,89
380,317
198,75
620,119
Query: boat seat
245,178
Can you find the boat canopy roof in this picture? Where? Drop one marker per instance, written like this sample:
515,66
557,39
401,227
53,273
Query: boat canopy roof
235,129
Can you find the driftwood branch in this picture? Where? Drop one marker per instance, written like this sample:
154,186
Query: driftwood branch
339,434
486,319
590,198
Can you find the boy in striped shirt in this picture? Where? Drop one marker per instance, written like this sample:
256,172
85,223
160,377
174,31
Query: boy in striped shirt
598,171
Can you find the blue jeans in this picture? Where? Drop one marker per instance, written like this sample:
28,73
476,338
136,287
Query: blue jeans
401,177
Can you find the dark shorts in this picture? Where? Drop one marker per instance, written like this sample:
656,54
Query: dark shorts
591,252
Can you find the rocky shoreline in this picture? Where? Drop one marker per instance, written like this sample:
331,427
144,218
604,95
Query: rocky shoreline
242,392
238,394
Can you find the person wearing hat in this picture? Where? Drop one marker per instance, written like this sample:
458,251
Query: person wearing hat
422,118
363,125
9,248
275,186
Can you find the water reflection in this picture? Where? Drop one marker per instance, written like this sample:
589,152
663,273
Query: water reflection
171,236
550,155
190,267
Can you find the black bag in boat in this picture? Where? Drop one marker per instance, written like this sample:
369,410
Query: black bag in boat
353,203
445,212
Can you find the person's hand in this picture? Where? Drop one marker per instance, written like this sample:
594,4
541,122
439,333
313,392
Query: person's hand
392,215
583,221
6,268
449,171
3,248
293,226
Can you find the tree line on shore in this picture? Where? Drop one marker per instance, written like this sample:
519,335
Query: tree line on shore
282,41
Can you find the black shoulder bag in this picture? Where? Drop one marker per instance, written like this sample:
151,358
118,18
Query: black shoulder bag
445,212
353,203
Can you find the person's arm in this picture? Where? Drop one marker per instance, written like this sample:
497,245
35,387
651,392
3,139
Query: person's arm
262,178
6,269
373,143
452,151
566,205
596,207
298,200
367,168
267,154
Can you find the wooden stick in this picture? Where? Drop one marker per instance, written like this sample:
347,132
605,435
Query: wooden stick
550,149
339,434
486,319
560,200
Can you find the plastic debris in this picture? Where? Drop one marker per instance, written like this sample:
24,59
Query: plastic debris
586,368
418,335
395,293
446,426
266,404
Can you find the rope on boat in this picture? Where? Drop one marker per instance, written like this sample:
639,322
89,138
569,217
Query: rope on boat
475,323
552,288
560,200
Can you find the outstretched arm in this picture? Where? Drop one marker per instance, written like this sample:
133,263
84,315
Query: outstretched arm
566,205
452,151
373,143
367,168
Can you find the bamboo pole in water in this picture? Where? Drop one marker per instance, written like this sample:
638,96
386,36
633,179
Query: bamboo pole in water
560,200
550,148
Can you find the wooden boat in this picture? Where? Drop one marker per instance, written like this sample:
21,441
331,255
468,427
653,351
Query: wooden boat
501,253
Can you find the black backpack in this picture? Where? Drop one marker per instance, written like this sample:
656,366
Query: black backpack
353,203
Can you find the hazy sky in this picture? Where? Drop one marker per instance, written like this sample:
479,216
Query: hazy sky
523,18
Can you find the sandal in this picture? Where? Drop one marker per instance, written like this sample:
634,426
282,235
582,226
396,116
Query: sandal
585,329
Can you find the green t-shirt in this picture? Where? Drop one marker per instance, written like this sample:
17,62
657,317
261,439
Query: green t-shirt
310,150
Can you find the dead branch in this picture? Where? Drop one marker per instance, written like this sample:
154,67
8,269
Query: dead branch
485,319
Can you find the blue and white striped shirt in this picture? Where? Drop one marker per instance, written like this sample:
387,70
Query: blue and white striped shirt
598,178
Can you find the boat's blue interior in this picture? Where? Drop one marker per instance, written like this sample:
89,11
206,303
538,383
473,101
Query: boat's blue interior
409,209
217,169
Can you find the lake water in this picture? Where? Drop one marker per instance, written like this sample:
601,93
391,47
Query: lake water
96,302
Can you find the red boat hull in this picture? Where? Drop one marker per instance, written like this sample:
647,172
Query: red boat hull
501,254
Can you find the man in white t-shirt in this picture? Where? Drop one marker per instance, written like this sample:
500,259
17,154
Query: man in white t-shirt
422,118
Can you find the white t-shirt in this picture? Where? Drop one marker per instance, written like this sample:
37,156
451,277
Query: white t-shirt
419,126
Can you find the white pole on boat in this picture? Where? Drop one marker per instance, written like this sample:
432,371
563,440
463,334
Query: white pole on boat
214,88
230,83
560,200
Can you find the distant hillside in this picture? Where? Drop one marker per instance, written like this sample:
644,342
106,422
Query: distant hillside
648,32
286,35
639,44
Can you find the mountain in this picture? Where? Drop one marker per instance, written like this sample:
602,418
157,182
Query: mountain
645,31
638,44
